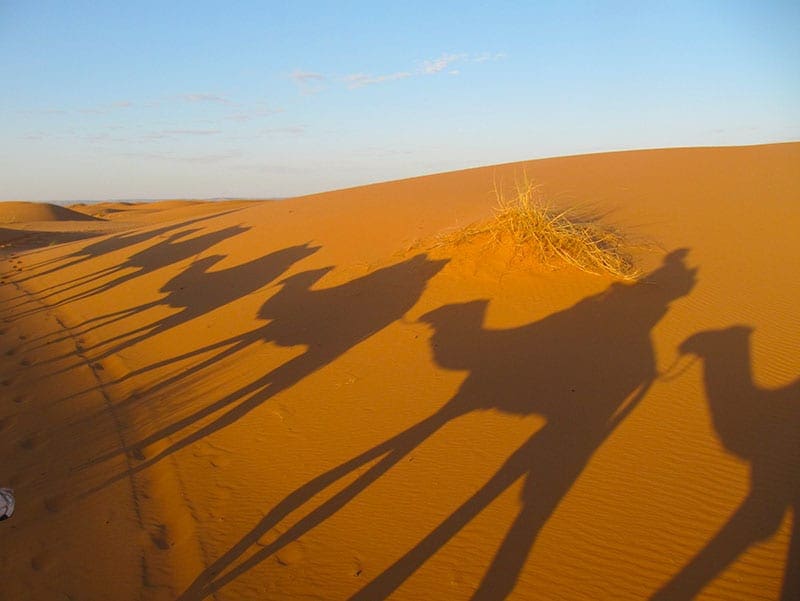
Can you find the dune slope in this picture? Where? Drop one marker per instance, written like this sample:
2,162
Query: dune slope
22,212
309,399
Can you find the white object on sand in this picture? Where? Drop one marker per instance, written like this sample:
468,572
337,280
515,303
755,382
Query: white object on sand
6,503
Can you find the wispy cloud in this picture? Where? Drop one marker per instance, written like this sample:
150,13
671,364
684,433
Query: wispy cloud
306,76
309,82
442,64
359,80
290,129
169,133
244,116
488,56
205,97
191,132
31,112
106,108
200,158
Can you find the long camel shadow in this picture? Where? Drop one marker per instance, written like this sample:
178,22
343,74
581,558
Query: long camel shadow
199,290
761,426
109,244
173,249
584,369
327,321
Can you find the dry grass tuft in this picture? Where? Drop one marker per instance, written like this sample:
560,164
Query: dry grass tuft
527,222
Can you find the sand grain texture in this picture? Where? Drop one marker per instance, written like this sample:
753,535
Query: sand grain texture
306,399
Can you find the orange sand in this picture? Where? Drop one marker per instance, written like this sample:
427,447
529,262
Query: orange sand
303,400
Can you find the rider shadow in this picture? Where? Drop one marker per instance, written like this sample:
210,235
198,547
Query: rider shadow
584,369
110,244
173,249
327,321
761,426
199,290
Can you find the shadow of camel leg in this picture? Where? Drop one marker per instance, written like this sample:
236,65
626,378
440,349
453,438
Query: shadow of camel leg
757,518
391,578
791,580
545,487
393,451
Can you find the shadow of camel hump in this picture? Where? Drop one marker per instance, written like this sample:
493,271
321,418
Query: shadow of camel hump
761,426
584,369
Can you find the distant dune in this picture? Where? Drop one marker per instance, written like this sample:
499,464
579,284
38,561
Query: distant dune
23,212
337,397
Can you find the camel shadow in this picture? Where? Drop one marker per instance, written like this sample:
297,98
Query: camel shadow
584,369
109,244
173,249
199,290
762,427
327,321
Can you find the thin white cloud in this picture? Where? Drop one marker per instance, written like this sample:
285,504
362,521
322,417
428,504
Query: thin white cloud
168,133
191,132
440,64
290,129
202,158
309,82
106,108
30,112
488,56
244,116
359,80
306,76
205,97
443,64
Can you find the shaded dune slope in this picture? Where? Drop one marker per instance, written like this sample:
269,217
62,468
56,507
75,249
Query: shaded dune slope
308,398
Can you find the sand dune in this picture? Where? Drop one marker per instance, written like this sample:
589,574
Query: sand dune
312,399
23,212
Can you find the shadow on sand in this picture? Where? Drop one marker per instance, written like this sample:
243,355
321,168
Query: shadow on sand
763,428
328,321
584,369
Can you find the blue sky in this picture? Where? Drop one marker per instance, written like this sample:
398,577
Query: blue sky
258,99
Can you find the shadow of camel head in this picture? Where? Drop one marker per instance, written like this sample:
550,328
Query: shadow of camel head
704,343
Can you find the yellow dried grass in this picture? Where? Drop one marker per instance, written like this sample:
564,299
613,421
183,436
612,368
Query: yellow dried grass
526,220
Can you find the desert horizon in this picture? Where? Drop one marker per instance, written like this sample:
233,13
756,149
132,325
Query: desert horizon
369,393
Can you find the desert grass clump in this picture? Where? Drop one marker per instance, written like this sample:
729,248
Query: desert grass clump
526,221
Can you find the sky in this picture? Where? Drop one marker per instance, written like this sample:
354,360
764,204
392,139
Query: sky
200,99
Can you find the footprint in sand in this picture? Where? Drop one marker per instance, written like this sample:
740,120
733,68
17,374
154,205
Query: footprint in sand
6,422
161,537
55,503
358,566
10,352
26,362
20,398
29,443
290,554
7,382
42,561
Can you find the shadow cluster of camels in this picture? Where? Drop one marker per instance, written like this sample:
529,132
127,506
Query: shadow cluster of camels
605,339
